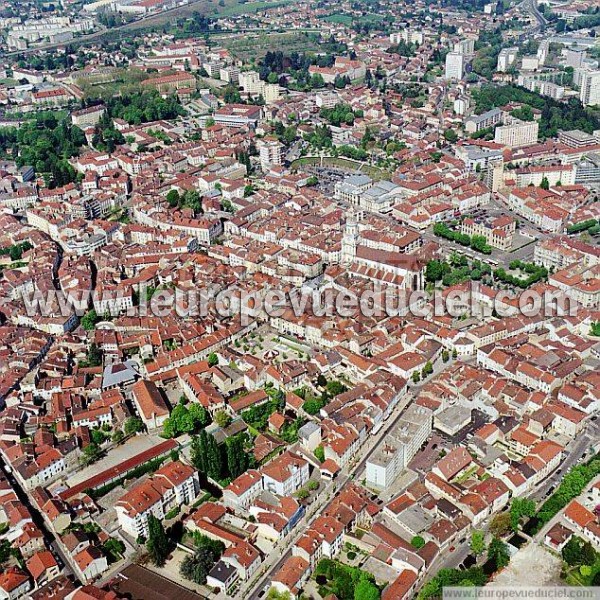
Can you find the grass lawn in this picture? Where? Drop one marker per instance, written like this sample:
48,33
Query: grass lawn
347,20
338,18
466,475
576,578
249,8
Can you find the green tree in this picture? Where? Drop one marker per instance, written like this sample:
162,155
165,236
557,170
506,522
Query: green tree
416,377
237,459
117,437
498,552
434,271
94,357
191,199
451,136
89,320
320,453
98,436
133,425
90,454
545,185
206,455
477,543
158,543
213,359
500,524
334,388
222,418
313,405
317,81
183,421
519,508
173,198
215,547
114,549
275,594
199,415
196,567
579,552
366,590
5,549
417,541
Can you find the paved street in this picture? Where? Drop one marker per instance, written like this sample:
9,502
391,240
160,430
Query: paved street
274,561
49,536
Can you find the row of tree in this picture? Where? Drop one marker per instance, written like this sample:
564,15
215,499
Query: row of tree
219,462
476,242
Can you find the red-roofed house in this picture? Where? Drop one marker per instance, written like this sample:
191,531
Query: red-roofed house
13,584
291,577
285,474
240,493
43,567
454,463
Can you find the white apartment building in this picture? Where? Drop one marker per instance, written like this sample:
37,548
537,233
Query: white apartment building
285,474
250,82
270,153
242,491
399,447
506,58
171,486
455,65
517,134
590,88
409,36
465,46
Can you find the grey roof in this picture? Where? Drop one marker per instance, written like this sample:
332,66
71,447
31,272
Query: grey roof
579,135
222,572
476,153
119,373
486,115
415,519
453,416
358,180
236,426
308,429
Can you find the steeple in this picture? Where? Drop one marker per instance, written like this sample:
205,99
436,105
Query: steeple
350,239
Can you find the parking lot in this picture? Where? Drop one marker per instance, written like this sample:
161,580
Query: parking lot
426,458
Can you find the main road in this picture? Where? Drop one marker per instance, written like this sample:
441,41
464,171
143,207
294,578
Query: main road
531,6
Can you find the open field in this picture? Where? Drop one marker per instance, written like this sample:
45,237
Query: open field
347,20
256,45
